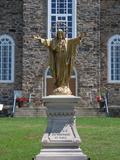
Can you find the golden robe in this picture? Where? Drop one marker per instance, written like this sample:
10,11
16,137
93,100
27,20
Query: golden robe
61,58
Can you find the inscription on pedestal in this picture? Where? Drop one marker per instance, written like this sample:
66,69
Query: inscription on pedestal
61,132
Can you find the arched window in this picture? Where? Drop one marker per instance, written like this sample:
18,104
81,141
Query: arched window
6,59
114,59
49,83
62,15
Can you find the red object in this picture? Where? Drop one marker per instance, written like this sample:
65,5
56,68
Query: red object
98,98
22,99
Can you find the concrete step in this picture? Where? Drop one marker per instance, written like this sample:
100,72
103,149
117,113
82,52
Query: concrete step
114,106
90,111
41,111
30,112
114,110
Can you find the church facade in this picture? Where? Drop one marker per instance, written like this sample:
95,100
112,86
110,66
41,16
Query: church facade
24,62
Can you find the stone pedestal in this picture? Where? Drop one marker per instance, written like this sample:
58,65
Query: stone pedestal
61,140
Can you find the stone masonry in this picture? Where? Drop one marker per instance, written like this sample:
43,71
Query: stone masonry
24,18
35,56
11,23
109,26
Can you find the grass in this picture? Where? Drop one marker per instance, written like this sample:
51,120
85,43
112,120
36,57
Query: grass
100,137
20,137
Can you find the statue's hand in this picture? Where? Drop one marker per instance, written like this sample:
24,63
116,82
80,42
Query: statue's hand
82,34
36,37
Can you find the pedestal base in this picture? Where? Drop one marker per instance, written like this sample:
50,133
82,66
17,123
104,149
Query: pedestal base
61,140
61,154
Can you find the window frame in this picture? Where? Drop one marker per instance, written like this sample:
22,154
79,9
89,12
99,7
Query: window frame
74,8
13,57
109,58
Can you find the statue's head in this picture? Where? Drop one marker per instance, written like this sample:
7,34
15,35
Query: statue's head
60,34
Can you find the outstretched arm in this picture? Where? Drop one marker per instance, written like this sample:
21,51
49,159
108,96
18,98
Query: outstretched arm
78,38
37,37
45,42
82,35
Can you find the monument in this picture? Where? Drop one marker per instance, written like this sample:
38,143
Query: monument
61,140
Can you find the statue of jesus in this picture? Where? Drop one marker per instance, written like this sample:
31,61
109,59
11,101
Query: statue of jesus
62,52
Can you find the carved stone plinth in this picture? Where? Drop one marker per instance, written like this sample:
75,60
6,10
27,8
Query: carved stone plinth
61,140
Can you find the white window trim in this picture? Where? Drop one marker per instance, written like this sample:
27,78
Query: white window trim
48,76
13,58
49,16
74,8
109,59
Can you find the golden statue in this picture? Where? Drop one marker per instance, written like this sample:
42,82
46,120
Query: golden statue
62,53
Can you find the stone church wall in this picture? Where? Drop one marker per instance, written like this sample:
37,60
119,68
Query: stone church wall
11,23
87,62
35,56
22,19
110,25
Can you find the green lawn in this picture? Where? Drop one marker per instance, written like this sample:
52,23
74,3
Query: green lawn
20,137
